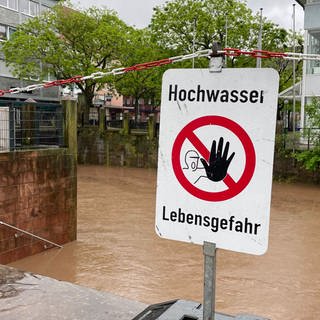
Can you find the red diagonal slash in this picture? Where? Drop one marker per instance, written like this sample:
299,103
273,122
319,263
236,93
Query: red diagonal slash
204,152
187,133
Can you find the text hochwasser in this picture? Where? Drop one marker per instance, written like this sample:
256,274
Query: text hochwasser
200,94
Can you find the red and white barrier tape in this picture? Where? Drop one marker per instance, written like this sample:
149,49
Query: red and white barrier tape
230,52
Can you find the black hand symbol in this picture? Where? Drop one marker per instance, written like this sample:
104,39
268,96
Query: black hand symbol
218,165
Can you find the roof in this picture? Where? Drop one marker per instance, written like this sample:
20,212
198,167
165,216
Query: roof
302,2
288,93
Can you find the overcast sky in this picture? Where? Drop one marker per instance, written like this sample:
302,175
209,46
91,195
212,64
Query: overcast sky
139,12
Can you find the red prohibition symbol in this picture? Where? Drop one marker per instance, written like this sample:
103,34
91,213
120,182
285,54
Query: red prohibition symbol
233,187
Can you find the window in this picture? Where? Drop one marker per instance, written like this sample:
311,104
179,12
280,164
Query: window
28,7
313,47
6,32
11,4
34,8
10,32
24,6
3,32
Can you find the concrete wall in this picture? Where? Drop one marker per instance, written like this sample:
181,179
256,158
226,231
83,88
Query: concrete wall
38,194
13,18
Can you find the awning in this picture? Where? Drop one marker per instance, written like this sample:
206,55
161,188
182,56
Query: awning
288,93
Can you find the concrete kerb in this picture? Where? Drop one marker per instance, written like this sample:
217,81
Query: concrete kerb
33,297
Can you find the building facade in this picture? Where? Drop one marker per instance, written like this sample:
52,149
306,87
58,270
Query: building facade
311,69
13,13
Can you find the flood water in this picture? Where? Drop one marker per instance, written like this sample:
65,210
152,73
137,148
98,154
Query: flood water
118,251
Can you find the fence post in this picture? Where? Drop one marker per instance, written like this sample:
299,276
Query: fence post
84,111
151,126
12,131
70,125
102,120
28,123
125,123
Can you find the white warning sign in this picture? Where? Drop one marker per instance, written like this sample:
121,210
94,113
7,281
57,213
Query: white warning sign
216,144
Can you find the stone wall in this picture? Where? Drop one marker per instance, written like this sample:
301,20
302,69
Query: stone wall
141,150
117,148
38,194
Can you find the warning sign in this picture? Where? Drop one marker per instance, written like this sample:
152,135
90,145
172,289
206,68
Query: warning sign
216,144
215,162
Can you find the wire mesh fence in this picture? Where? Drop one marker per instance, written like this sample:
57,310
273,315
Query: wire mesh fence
30,126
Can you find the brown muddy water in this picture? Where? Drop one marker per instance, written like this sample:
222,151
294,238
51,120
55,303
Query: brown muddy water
118,251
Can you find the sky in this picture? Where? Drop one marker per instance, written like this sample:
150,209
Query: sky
138,12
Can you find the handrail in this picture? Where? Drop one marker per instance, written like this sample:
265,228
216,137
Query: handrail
30,234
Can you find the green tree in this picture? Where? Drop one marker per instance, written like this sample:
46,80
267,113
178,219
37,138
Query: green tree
174,23
145,83
278,39
187,25
311,158
66,42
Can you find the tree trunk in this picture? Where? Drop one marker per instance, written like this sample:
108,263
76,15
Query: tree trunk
85,102
136,110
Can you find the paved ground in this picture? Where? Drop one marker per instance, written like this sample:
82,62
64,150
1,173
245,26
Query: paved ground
29,296
32,297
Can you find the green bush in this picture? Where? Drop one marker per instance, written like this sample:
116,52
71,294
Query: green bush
310,159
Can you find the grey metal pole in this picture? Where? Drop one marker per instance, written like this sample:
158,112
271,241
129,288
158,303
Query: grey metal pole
209,252
217,58
226,41
209,248
30,234
194,39
294,78
258,65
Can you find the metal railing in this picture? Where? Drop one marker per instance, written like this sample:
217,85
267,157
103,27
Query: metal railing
143,126
30,126
30,234
114,124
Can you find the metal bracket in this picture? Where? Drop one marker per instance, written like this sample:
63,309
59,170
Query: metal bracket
216,58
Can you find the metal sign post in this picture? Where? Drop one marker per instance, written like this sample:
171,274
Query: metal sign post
209,248
209,252
215,163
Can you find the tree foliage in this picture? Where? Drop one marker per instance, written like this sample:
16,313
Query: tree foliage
311,158
144,84
187,25
65,42
173,24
